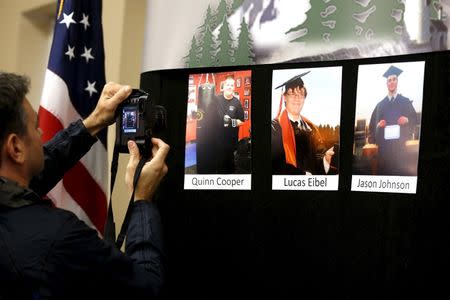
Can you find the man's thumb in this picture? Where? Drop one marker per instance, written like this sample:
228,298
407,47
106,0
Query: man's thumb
133,149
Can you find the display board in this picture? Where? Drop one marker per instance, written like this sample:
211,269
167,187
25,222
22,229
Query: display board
207,33
340,243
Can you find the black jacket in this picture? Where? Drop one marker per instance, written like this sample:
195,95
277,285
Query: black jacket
48,253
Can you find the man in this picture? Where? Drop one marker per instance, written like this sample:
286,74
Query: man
392,123
297,146
48,253
229,116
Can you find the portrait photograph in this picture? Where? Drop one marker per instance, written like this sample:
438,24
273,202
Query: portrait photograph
391,126
387,125
305,127
218,132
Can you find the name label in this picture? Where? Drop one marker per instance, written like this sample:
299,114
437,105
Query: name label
385,184
305,182
217,182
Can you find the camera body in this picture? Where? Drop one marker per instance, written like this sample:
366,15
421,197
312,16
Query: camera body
139,119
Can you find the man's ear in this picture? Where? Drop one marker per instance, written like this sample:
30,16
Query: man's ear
15,148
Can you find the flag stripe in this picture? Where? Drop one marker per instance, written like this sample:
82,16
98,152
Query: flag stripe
73,83
54,116
83,189
78,181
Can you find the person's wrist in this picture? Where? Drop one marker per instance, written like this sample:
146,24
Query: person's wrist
137,199
140,196
92,125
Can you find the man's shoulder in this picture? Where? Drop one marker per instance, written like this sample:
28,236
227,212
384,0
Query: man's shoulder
43,214
275,124
236,101
403,99
385,100
310,124
36,227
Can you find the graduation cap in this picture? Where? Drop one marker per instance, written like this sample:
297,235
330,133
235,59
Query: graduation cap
392,71
293,82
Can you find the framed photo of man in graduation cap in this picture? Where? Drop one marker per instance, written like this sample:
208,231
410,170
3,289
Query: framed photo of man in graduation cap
387,127
305,128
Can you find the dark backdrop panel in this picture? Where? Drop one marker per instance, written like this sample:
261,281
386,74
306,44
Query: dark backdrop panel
343,244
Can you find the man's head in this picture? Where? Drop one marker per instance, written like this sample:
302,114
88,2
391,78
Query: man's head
294,99
21,153
228,88
391,75
294,94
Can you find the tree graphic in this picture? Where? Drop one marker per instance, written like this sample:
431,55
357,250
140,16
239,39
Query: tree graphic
385,20
207,49
192,59
210,19
335,22
222,10
244,52
225,53
236,4
312,29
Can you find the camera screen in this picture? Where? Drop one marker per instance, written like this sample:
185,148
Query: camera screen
130,119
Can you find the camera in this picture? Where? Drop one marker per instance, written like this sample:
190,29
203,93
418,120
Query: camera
139,119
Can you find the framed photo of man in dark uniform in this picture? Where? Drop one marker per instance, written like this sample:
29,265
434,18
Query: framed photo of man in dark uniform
218,146
387,127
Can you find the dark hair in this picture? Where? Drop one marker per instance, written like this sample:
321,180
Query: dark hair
302,87
13,89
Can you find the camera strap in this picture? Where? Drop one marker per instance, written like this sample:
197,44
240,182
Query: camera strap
110,232
110,226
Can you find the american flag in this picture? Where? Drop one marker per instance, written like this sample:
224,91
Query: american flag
74,79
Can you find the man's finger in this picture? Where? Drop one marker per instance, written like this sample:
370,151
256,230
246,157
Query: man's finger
134,151
162,149
120,96
111,88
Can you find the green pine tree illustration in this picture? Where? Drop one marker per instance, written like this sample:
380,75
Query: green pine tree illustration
192,59
225,53
222,10
312,29
244,54
340,24
207,49
210,19
386,19
335,22
236,4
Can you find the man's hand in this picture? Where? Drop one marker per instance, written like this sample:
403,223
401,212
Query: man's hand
381,124
152,172
103,115
402,120
329,154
